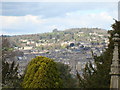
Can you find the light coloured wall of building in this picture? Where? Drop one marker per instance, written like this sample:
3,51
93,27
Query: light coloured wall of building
119,10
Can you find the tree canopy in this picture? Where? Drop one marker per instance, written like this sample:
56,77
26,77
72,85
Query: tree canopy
67,79
42,72
10,78
98,76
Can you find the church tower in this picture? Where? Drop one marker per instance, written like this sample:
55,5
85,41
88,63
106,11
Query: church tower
115,66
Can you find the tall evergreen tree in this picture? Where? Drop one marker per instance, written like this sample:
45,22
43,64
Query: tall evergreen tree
99,77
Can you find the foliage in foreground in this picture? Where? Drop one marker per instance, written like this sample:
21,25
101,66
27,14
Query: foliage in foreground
68,80
10,77
99,77
42,72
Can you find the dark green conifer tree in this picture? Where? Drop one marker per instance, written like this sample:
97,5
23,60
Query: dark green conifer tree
99,77
67,79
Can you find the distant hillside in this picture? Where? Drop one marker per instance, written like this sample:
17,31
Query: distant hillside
58,37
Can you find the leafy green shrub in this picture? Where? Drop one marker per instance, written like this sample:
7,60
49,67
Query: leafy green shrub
42,73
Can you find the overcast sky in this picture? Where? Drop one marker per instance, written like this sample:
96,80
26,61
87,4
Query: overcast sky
30,17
